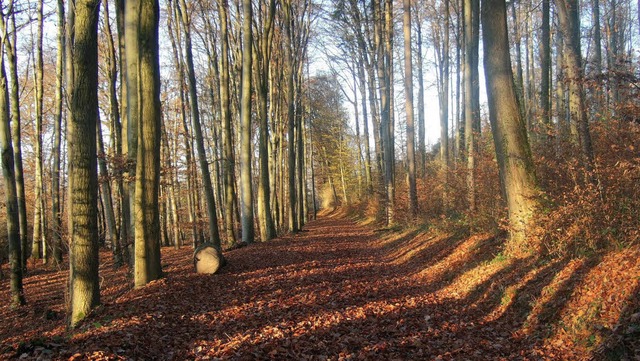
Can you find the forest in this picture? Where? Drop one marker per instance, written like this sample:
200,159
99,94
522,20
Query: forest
371,179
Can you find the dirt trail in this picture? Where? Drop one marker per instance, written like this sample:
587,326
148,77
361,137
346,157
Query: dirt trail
334,291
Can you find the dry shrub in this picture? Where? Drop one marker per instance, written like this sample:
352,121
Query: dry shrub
579,217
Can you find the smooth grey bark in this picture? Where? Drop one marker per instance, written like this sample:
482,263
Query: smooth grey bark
16,132
264,47
225,111
471,93
408,90
56,211
515,163
545,65
116,126
246,191
84,292
38,249
11,196
569,19
147,265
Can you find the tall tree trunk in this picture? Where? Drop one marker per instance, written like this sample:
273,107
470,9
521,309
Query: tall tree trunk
246,192
569,19
125,235
16,134
116,125
11,196
545,65
214,236
291,156
517,176
132,88
56,211
422,150
443,95
147,265
84,292
264,41
362,84
471,105
39,213
225,110
408,90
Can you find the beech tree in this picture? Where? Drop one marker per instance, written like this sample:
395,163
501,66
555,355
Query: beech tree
147,214
408,89
515,163
246,191
11,196
84,288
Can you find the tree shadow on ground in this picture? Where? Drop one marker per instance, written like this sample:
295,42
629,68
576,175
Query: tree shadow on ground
336,291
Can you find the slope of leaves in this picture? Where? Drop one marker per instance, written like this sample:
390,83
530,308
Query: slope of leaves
338,291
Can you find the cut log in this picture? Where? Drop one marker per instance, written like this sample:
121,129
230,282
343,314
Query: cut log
207,259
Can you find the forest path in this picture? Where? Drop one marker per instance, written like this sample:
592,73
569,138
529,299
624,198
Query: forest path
335,291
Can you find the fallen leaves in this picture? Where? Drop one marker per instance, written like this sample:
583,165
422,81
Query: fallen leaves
336,292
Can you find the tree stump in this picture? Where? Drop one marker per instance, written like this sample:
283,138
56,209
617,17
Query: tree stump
207,259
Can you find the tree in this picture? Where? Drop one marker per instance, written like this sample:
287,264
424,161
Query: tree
408,90
11,196
214,236
147,214
515,163
39,212
84,288
56,212
569,20
545,64
263,49
225,111
10,34
471,93
246,192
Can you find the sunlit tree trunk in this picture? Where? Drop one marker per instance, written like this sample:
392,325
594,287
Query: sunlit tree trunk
147,216
517,176
291,156
225,111
39,227
264,47
84,292
422,151
471,93
362,84
56,211
11,196
408,91
116,125
545,65
246,191
125,234
569,19
132,88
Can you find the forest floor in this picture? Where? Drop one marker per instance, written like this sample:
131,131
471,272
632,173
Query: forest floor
341,291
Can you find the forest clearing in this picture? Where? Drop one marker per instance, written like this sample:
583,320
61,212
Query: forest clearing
342,291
